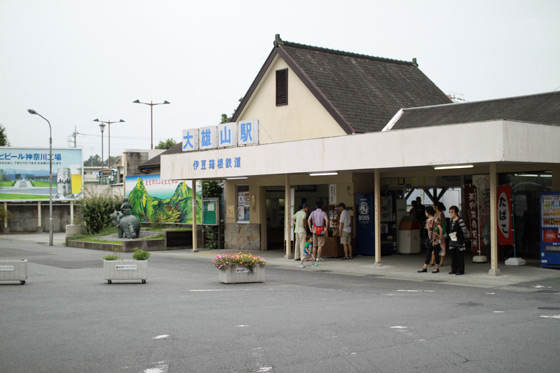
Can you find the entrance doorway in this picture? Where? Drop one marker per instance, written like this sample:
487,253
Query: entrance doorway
275,214
275,208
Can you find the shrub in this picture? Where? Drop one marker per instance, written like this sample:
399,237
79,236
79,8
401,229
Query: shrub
141,255
211,237
94,209
111,257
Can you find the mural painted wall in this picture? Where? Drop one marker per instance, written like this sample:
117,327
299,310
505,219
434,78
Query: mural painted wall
24,174
165,201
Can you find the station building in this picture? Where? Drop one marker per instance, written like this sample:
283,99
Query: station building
333,126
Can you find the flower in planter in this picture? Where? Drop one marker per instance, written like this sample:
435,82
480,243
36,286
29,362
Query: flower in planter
247,260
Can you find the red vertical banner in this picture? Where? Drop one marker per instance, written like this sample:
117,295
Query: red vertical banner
472,212
505,218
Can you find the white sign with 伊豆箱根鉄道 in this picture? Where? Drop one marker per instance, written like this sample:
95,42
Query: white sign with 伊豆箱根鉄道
223,136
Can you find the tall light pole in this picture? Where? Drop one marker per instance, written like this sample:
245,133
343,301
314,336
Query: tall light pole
108,122
31,111
102,127
152,104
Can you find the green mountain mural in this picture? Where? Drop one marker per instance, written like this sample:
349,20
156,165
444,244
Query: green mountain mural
176,209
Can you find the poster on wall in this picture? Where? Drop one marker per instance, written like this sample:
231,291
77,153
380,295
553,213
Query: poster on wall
24,174
164,201
243,206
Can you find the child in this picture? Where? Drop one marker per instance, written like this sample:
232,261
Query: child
307,253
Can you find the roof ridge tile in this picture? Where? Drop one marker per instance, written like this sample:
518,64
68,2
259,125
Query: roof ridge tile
344,53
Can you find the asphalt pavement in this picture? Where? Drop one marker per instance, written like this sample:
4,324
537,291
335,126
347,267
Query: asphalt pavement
400,267
342,316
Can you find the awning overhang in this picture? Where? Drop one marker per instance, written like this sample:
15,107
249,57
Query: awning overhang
500,142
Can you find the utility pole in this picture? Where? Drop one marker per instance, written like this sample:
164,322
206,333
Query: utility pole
74,135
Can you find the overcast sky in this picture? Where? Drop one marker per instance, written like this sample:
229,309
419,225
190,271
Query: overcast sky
74,61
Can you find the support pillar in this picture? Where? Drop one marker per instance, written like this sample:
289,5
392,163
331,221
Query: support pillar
377,215
39,218
494,271
6,229
556,178
287,219
194,226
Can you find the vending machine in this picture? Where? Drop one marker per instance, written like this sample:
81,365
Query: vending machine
550,225
365,230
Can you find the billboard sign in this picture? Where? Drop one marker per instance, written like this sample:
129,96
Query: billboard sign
24,174
163,201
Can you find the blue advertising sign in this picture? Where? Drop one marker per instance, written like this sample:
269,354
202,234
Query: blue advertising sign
24,174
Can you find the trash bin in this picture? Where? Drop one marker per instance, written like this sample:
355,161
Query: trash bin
409,235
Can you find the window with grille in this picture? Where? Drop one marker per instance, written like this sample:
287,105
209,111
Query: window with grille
281,87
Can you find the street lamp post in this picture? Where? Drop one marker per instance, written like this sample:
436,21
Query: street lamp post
31,111
152,104
102,128
108,122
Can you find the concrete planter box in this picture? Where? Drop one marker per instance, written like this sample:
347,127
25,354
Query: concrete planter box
125,270
240,275
13,270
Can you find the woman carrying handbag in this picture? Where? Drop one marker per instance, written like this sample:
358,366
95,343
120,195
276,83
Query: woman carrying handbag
433,241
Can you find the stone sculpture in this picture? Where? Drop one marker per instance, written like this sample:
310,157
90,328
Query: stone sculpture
125,222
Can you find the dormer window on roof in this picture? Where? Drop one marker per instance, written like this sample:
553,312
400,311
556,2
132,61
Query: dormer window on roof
281,87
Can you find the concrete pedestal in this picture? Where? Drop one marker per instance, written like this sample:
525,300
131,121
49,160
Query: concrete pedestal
479,259
516,262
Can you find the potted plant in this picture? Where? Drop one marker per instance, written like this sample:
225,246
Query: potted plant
13,270
136,268
236,268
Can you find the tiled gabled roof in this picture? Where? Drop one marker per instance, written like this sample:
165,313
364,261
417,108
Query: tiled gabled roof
541,108
361,92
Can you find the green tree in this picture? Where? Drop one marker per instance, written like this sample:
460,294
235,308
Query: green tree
3,136
93,160
211,189
225,118
166,144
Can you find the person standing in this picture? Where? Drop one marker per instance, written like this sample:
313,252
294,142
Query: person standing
420,213
441,226
299,219
345,230
318,223
457,234
433,240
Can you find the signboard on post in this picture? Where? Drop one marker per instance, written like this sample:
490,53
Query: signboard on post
24,174
210,211
505,221
166,201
